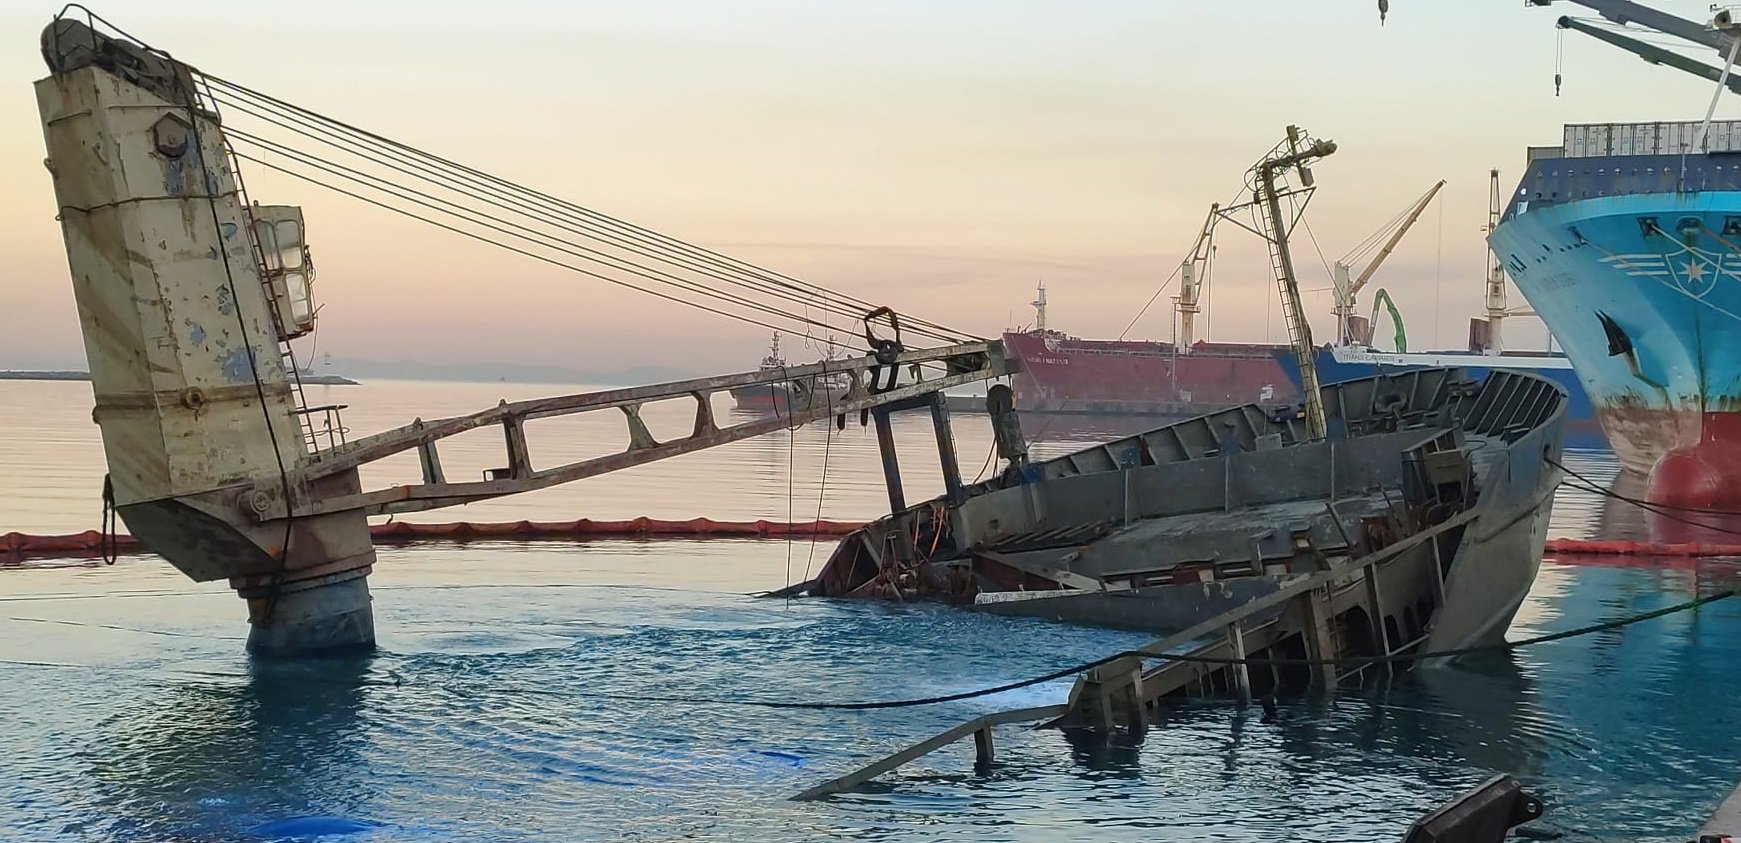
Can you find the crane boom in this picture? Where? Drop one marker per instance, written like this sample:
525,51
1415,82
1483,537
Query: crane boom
1389,246
1345,290
1625,11
1652,53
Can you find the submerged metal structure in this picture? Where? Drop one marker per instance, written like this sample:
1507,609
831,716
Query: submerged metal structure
189,295
1266,560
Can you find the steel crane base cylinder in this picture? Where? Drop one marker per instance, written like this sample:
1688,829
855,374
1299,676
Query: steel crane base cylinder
331,618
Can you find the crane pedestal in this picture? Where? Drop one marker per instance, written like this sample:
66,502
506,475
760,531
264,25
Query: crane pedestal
312,617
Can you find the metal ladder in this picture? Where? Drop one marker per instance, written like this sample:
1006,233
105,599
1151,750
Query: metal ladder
309,433
1293,314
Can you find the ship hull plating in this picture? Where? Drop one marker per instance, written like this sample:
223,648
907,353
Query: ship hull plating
1643,292
1063,374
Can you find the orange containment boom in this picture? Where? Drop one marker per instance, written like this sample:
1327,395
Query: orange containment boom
1620,547
16,547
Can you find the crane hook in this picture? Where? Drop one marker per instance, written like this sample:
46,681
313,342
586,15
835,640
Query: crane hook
1383,9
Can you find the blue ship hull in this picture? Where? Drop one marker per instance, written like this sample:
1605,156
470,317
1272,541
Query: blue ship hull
1643,291
1582,428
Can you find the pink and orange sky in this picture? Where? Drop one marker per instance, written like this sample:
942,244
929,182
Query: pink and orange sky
942,157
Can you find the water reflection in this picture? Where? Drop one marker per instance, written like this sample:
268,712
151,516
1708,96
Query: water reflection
211,756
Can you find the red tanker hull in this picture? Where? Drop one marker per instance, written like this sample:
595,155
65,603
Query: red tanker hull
1064,374
1699,456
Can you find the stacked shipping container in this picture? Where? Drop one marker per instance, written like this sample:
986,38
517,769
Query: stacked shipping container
1597,140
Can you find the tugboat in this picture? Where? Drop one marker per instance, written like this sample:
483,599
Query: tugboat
796,395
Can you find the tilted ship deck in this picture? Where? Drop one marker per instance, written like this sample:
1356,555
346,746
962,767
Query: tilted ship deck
1169,528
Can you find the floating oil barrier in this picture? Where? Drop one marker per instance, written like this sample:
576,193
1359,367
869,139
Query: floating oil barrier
16,547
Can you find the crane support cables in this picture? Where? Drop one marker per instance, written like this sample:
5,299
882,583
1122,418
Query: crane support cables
279,135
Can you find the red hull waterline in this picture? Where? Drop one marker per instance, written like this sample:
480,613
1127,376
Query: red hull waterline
1692,458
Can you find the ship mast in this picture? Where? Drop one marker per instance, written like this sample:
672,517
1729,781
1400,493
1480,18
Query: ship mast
1268,185
1039,304
1193,275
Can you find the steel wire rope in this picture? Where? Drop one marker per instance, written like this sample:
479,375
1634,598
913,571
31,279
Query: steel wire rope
1585,484
1372,242
1188,658
607,259
495,197
1209,224
493,223
509,247
791,460
276,586
639,231
1312,237
1504,646
821,489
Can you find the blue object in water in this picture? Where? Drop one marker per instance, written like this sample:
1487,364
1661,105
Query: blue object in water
305,828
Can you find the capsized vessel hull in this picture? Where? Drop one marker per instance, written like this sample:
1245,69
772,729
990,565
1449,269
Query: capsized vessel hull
1168,529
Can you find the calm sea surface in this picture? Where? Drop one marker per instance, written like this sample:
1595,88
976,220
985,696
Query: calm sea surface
495,708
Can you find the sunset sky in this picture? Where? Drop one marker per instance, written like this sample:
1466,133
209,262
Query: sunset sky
941,157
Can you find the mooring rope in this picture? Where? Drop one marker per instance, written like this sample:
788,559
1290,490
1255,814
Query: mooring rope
1178,657
1585,484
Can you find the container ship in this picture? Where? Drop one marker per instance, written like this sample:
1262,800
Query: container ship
1624,239
1628,252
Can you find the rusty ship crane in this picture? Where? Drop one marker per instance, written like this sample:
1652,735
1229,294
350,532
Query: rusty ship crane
1278,188
190,295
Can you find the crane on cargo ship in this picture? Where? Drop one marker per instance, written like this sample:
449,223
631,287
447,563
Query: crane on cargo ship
1497,311
1722,34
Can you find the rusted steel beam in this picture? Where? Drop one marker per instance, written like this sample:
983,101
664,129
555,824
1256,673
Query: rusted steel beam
928,746
424,496
891,460
984,360
946,458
